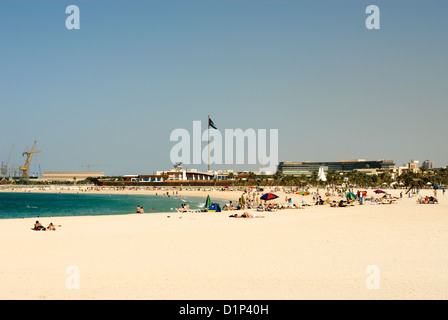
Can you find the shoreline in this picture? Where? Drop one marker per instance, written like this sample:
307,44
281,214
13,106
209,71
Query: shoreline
197,195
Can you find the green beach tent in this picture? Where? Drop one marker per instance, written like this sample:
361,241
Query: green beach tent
207,201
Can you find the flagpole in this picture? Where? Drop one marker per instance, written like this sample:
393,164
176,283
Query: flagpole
208,122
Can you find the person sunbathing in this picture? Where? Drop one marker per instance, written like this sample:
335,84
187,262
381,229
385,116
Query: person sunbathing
245,215
342,204
38,226
334,204
231,207
183,208
51,227
432,200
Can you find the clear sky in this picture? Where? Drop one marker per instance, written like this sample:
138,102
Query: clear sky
111,93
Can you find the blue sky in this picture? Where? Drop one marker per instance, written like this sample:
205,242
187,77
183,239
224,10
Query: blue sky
111,93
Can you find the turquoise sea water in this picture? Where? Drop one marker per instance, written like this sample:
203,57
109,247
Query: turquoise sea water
28,205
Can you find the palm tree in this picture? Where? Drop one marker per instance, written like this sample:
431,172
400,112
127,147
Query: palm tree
313,178
385,178
442,176
278,175
408,178
252,176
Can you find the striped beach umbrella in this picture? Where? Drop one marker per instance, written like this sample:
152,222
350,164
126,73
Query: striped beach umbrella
242,200
350,195
268,196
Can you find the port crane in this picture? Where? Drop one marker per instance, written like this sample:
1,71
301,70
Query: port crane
26,166
4,169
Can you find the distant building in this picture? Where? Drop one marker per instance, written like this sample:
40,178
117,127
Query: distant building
308,167
164,176
72,176
409,167
179,174
428,164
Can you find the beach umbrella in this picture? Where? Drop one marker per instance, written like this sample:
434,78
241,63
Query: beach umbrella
379,191
207,201
268,196
242,200
304,193
350,195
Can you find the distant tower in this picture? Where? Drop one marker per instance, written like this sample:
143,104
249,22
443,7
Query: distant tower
428,164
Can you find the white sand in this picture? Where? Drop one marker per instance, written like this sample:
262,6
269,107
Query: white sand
315,253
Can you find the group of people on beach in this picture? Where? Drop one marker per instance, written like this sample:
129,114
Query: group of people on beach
427,200
184,208
39,227
141,210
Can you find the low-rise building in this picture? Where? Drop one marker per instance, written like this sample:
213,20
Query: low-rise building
308,167
69,176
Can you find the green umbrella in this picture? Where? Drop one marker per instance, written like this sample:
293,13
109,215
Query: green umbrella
208,202
350,195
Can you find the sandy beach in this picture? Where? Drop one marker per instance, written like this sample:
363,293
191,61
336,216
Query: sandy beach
395,251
